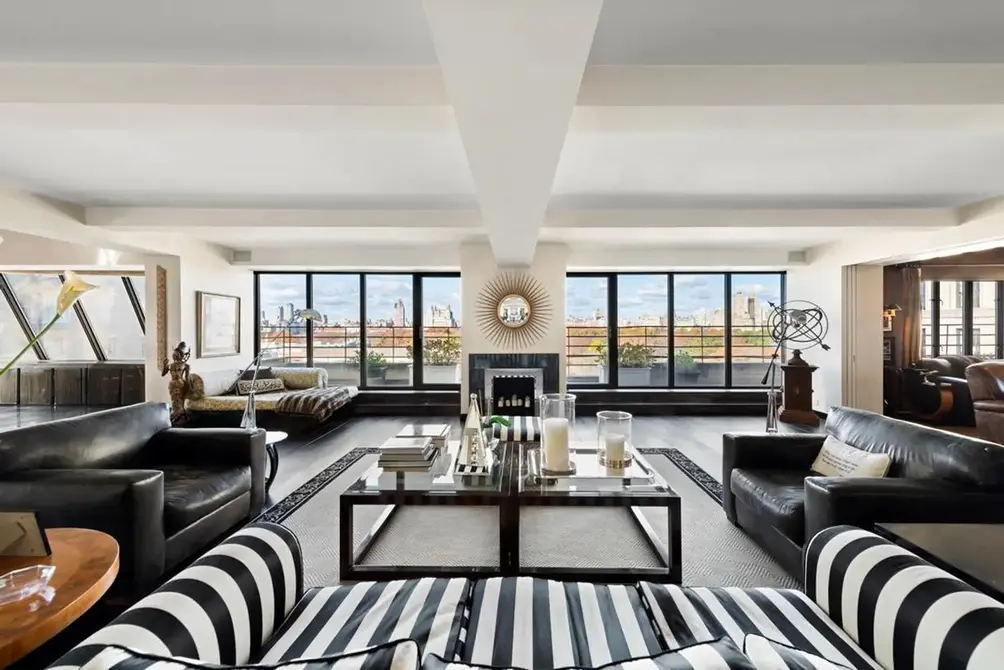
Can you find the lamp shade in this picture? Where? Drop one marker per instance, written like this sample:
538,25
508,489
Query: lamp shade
308,314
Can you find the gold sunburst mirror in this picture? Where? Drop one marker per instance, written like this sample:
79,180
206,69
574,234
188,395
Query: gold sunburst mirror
513,310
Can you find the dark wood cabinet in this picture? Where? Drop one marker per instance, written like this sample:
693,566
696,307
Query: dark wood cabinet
90,384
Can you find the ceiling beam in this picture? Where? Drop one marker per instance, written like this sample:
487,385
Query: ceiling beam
602,86
673,86
468,219
512,71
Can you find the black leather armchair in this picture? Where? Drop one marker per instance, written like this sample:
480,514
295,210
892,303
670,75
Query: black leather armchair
770,492
164,493
949,369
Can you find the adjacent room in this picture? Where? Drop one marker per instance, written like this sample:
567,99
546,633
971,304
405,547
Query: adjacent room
448,334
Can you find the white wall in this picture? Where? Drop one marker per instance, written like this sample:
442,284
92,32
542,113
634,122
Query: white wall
199,267
822,284
477,267
850,373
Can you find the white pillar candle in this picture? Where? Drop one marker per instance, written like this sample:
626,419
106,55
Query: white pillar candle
615,446
556,443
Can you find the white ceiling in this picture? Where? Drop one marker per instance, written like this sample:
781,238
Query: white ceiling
405,152
770,32
395,32
234,32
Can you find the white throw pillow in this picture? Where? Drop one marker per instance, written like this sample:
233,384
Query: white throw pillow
837,459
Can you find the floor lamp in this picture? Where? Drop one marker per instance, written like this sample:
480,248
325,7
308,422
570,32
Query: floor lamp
250,420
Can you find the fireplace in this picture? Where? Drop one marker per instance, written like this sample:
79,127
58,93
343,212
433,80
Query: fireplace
512,395
512,377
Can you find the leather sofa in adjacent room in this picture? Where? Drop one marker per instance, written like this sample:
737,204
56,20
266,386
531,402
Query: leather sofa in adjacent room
986,384
935,476
163,493
948,369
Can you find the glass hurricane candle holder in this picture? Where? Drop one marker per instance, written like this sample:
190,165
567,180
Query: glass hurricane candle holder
557,416
613,441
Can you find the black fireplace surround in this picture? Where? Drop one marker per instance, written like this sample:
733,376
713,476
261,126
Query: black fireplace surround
478,364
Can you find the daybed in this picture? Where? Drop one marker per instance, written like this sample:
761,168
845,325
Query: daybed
868,604
306,394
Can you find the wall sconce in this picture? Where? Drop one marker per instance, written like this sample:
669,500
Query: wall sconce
888,314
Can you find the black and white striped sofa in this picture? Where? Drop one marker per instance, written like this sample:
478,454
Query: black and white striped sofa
868,604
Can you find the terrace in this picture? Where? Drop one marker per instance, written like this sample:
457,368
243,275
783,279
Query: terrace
702,356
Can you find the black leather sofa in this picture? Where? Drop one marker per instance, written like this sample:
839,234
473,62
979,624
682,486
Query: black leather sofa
164,493
935,476
948,369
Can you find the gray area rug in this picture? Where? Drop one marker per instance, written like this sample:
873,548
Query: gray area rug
715,553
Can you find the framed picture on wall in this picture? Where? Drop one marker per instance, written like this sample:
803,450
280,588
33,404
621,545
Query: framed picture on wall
218,325
887,322
888,349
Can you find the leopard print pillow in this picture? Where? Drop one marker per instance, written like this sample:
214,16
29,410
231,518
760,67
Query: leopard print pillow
260,386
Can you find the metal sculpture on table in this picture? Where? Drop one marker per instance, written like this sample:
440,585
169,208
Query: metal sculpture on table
796,323
178,387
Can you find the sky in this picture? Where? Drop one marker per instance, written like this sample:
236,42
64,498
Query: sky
638,295
338,295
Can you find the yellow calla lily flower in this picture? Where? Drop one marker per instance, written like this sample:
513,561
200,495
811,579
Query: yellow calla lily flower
72,289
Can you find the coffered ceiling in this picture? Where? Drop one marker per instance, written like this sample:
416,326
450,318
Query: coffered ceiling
681,125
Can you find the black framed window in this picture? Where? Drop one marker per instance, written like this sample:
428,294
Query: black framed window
587,332
962,317
692,330
368,328
107,324
337,338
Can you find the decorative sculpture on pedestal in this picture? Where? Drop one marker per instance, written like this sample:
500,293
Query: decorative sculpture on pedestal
801,323
178,387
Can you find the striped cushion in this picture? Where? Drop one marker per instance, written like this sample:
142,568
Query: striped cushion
402,655
338,619
538,623
900,609
520,429
689,615
769,654
721,654
219,610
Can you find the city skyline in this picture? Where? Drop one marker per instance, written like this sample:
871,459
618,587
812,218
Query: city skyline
337,296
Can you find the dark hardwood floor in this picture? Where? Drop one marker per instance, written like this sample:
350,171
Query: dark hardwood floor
302,456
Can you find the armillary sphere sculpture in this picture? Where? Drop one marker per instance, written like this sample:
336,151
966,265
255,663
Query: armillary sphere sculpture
796,323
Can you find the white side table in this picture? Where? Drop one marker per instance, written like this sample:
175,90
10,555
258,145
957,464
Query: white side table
272,438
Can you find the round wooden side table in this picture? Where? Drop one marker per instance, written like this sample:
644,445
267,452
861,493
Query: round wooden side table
272,438
87,562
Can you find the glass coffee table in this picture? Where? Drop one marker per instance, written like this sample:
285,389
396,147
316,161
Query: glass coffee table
397,489
513,487
594,485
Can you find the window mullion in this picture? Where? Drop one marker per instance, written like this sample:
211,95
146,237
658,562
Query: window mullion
21,318
137,306
88,328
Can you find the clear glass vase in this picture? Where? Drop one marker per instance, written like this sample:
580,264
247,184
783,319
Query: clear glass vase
613,437
557,417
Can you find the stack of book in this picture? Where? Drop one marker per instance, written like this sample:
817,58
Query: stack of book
439,433
408,453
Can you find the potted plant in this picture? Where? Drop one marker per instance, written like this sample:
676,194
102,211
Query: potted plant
440,357
376,365
685,366
488,424
634,363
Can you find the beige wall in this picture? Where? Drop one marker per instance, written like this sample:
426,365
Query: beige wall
477,267
199,268
28,252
